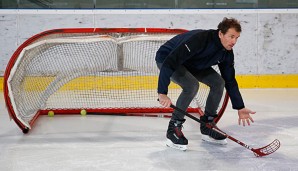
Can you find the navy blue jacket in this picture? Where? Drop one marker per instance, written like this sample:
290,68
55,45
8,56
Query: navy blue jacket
198,50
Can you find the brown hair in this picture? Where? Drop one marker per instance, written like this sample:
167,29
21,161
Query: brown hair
228,23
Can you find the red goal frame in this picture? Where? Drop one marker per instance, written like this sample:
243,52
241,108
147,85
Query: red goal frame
128,111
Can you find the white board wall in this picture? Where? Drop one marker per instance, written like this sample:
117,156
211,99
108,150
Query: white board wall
268,43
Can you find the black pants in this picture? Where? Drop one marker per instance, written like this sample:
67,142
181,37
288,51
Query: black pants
190,85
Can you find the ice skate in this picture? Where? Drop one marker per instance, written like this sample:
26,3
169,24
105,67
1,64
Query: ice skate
210,135
175,137
209,139
169,143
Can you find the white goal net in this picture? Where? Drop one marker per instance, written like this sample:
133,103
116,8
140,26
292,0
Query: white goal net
104,71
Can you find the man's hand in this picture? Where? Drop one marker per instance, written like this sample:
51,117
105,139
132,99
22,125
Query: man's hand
164,100
244,116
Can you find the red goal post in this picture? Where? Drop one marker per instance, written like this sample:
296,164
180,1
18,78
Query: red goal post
101,70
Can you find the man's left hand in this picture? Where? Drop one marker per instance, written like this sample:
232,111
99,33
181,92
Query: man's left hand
244,116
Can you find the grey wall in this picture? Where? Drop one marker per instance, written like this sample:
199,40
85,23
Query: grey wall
268,43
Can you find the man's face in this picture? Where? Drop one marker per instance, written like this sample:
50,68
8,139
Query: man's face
229,39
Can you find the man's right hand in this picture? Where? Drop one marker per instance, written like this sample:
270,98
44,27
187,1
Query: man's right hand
164,100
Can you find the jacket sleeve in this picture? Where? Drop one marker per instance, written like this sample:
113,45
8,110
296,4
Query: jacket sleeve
227,71
176,58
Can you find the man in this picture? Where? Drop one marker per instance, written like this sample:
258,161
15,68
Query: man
186,59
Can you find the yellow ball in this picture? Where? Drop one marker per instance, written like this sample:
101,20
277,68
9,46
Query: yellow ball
83,112
51,113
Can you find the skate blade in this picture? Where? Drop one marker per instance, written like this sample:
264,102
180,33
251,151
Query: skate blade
209,139
169,143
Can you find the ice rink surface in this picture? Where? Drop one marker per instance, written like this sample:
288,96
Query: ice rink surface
127,143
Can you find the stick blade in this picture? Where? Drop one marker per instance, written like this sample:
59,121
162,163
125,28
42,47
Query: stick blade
269,149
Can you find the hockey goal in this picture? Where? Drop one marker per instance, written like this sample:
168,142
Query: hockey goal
110,71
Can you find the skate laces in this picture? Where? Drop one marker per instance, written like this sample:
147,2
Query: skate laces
178,129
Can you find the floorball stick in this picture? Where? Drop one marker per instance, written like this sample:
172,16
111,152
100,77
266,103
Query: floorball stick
258,152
